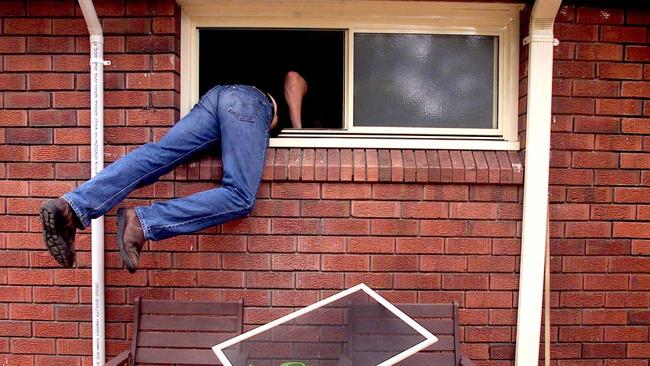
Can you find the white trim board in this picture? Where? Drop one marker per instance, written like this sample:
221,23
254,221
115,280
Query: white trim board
429,338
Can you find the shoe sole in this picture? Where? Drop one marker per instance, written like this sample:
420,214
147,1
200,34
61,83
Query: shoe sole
120,241
54,242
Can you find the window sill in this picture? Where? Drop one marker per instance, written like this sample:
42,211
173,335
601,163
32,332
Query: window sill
374,165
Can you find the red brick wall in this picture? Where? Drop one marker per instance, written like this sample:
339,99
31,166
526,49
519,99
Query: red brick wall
600,187
418,227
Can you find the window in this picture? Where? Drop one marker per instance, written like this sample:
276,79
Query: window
385,74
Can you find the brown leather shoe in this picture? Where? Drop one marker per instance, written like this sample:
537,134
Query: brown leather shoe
59,228
130,237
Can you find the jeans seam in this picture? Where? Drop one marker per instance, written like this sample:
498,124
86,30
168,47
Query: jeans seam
148,174
145,228
197,219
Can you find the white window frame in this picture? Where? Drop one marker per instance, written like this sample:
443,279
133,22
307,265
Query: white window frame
493,19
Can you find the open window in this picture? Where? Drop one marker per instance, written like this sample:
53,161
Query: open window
382,75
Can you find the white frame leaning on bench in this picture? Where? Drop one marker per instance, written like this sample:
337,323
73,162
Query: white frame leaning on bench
493,19
429,338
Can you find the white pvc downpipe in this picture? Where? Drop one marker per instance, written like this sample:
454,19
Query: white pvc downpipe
535,210
97,164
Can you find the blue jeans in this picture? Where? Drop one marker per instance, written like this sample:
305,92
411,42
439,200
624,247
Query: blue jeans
238,117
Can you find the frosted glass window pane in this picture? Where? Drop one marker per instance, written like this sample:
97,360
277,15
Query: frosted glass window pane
424,80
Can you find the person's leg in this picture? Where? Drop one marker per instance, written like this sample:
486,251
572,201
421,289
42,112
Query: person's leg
295,89
194,132
244,115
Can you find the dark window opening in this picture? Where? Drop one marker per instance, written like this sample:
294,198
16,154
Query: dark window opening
262,57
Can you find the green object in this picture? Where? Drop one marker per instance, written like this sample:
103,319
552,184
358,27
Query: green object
292,363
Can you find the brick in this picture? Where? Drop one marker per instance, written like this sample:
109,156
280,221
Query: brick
443,227
221,279
150,81
12,45
618,142
574,69
636,125
618,107
582,299
294,262
50,45
472,210
31,312
638,350
295,190
420,246
124,26
150,44
151,117
425,210
126,99
12,82
343,226
27,26
458,192
610,350
165,25
620,71
30,171
587,229
396,192
10,118
69,27
32,345
465,281
14,153
608,247
53,153
631,195
317,281
626,334
129,62
394,263
628,299
371,245
29,136
492,299
324,244
621,34
637,53
346,191
631,230
50,81
443,263
375,209
567,211
564,51
393,227
71,136
596,160
572,141
27,63
612,212
578,334
599,52
564,105
419,281
374,280
589,15
78,63
27,100
641,247
596,124
576,32
347,262
635,89
617,177
52,118
595,88
73,346
145,7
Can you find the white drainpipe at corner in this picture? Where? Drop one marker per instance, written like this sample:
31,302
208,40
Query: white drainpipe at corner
535,210
97,164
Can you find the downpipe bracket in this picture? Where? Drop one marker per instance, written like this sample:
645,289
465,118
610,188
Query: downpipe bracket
99,61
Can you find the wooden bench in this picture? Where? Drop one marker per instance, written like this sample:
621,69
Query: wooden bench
180,332
372,321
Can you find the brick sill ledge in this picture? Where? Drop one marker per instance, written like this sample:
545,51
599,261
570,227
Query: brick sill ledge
374,165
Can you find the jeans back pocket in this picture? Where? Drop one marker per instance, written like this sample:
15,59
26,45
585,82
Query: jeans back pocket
244,105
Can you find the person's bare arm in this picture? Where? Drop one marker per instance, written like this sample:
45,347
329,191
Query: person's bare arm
295,89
